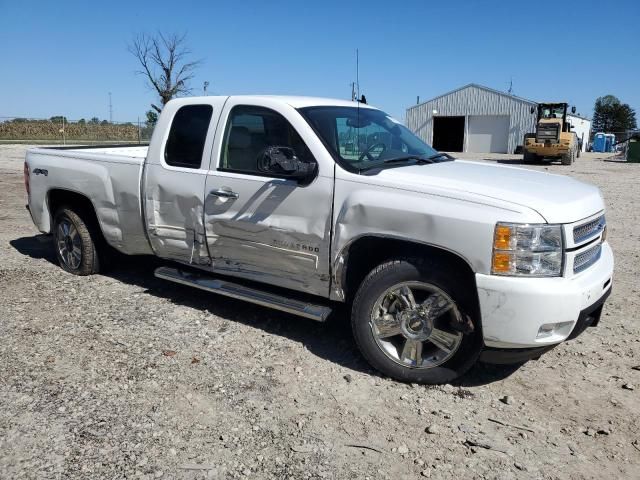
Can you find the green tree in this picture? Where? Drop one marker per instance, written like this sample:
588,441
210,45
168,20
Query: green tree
58,119
612,116
82,121
152,118
94,121
104,122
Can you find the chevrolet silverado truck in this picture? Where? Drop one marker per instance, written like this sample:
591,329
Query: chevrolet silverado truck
302,204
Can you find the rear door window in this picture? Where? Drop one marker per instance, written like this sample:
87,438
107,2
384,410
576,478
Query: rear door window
187,135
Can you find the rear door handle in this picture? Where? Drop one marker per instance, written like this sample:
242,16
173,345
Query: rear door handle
224,193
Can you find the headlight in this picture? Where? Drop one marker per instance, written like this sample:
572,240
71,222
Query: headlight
527,250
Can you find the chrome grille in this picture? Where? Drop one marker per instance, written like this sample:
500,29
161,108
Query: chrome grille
589,229
587,258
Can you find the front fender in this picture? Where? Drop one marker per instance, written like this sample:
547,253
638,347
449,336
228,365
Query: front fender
460,226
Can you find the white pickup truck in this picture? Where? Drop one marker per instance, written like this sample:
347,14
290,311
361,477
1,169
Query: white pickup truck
301,204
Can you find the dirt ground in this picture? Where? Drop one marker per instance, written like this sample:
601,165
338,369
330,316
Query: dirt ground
123,375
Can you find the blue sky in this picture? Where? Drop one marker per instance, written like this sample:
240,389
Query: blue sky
62,58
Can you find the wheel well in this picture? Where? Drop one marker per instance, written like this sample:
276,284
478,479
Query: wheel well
368,252
77,202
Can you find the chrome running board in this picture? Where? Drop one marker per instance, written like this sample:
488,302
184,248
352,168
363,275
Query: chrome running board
211,284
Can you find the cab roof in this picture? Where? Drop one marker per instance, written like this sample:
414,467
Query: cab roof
294,101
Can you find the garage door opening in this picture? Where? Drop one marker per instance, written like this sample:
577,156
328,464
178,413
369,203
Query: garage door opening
448,134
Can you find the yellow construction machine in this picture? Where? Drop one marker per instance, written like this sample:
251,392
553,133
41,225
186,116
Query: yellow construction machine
553,137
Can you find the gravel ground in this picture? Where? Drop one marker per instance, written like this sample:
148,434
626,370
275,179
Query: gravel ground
122,375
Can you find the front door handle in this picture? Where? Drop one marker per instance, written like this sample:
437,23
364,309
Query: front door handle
224,193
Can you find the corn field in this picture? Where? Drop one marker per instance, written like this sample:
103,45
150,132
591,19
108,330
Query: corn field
58,130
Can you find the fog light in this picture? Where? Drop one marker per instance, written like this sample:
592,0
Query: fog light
550,329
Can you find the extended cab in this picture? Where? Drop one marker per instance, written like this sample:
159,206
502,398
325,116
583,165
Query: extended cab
300,204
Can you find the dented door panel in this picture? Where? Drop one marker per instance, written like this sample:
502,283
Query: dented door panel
174,209
275,231
174,196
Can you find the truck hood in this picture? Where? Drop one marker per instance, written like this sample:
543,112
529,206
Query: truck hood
558,198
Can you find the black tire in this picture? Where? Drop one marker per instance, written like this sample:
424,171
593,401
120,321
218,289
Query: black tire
569,157
83,243
529,157
436,274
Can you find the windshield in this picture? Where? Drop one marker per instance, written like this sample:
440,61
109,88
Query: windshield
364,138
552,111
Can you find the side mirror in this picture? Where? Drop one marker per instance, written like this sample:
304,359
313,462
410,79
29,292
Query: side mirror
282,162
533,110
573,109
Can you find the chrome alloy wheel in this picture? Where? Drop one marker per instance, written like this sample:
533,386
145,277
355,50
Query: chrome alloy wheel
411,323
69,244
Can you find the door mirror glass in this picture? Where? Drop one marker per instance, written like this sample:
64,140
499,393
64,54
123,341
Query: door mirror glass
281,161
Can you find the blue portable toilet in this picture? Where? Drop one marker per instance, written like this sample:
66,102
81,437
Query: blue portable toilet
603,142
599,143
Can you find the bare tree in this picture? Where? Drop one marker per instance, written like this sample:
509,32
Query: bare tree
163,59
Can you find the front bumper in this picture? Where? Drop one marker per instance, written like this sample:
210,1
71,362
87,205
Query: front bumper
514,308
589,317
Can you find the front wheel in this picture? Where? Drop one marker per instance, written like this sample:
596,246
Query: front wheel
412,321
529,157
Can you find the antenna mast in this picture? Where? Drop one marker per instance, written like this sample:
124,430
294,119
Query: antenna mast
358,72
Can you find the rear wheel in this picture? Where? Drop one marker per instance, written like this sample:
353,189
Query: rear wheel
569,157
75,243
411,320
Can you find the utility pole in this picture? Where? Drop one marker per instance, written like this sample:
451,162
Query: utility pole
110,109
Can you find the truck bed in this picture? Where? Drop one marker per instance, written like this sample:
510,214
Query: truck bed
124,151
108,176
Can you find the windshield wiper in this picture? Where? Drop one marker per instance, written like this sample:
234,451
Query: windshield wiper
440,155
406,158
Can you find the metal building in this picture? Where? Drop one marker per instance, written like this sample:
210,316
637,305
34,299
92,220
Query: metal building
582,127
473,118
